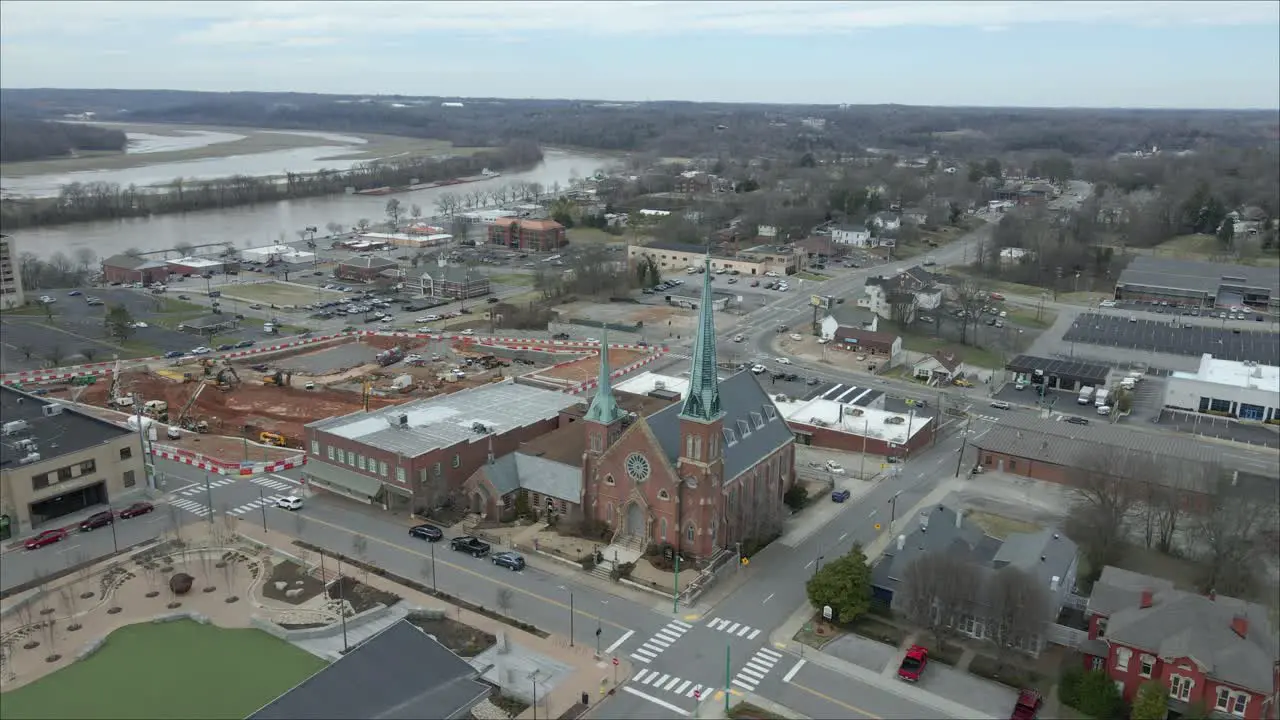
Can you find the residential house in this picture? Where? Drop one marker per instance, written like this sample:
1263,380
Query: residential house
851,235
848,317
885,221
701,474
940,368
821,247
879,344
907,292
1209,650
1047,556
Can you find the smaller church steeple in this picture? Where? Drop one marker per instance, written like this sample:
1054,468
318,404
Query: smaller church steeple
604,407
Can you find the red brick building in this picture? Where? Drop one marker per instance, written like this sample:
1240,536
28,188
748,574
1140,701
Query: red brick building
520,234
861,430
132,269
417,454
1211,651
700,475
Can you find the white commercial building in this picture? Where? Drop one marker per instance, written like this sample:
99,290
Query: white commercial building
277,253
1244,390
414,240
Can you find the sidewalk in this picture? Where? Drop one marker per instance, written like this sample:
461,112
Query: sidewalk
782,637
590,676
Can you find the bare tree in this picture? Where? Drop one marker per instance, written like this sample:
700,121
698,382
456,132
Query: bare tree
427,572
84,573
50,629
936,586
503,599
1106,494
1229,533
71,603
360,548
1019,608
151,573
333,227
970,298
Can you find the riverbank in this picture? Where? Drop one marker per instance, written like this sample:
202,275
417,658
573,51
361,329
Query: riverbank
204,142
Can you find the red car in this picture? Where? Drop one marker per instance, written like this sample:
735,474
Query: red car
1029,702
913,664
136,509
48,537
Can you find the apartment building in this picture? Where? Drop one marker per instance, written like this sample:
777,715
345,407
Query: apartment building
521,234
56,461
10,277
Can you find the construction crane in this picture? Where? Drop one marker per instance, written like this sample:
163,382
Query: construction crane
182,416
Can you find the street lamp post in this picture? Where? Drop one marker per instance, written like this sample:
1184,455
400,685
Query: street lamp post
262,504
433,567
818,565
893,508
208,496
115,541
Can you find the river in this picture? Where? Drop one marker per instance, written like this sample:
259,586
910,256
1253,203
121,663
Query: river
256,225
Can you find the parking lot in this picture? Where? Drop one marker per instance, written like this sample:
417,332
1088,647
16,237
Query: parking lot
1219,427
1175,338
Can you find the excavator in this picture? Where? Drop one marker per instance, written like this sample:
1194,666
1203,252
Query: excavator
228,378
279,378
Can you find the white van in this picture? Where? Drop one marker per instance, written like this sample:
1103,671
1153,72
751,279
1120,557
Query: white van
268,327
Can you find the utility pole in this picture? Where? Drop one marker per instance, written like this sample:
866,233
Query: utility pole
862,466
726,678
262,505
142,445
342,607
115,541
208,496
675,587
964,443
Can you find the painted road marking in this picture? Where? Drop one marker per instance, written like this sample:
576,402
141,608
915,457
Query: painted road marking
677,623
660,641
267,501
469,571
643,656
673,683
619,641
733,628
661,703
199,487
748,688
660,680
833,701
753,634
191,506
271,484
768,598
680,690
756,668
794,669
656,641
743,631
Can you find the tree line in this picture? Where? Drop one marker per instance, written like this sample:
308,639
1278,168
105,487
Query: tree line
80,202
25,139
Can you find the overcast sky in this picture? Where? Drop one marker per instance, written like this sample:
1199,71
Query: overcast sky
1057,54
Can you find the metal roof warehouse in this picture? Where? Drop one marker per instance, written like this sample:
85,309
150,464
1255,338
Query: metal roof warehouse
1202,283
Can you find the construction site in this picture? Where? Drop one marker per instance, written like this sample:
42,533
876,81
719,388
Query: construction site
269,399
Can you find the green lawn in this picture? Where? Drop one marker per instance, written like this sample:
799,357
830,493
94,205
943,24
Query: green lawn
168,670
511,279
590,235
1027,318
815,277
980,357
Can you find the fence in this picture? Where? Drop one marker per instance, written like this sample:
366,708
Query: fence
724,558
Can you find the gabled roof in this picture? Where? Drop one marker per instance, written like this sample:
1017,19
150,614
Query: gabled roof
948,360
368,262
400,673
741,399
937,532
865,337
1180,624
124,262
849,315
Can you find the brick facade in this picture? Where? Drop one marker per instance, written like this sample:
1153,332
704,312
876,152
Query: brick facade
536,235
834,439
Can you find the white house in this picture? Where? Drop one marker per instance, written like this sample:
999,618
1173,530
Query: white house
885,221
851,235
940,368
848,317
914,281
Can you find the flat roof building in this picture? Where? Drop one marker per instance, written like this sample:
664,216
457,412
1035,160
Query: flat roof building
10,278
278,253
674,257
414,452
410,239
847,426
56,461
132,269
365,269
1194,283
192,265
451,281
1227,388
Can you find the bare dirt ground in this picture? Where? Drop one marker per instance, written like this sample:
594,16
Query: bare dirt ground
588,368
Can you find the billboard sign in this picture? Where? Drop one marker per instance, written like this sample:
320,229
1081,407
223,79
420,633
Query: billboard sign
820,301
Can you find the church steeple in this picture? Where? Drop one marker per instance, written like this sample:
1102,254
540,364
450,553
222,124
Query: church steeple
604,407
703,401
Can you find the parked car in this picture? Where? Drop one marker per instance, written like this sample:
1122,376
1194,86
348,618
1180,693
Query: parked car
202,350
1077,420
97,520
48,537
224,347
840,495
1026,706
470,544
292,502
913,664
834,468
245,344
430,533
510,560
73,293
173,354
136,509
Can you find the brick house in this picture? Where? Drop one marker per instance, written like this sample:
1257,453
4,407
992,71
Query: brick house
364,269
879,345
522,234
131,269
1214,651
700,475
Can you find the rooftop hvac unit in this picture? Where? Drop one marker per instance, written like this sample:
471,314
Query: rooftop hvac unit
51,409
894,420
13,427
659,384
25,445
29,458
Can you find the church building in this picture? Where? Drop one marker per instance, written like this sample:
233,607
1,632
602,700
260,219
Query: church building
699,474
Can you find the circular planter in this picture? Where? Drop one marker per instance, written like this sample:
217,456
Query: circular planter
153,593
174,605
114,610
53,658
231,599
220,564
86,595
46,611
166,569
31,645
210,589
74,627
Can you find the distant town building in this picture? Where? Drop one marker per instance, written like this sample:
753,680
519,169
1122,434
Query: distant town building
365,269
521,234
132,269
449,281
10,274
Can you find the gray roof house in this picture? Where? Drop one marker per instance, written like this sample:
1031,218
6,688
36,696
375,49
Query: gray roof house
399,673
1046,555
1231,641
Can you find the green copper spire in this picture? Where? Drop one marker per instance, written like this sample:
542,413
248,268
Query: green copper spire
604,408
703,400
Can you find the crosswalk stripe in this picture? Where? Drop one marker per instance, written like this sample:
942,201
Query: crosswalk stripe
723,624
660,680
658,641
680,690
695,690
667,635
673,683
753,634
677,623
749,688
757,668
713,623
646,653
732,628
769,653
755,674
652,648
743,631
641,659
640,676
762,660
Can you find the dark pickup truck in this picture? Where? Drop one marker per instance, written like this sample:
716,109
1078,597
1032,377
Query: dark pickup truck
470,544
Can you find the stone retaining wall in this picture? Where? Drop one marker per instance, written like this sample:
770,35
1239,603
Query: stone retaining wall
355,621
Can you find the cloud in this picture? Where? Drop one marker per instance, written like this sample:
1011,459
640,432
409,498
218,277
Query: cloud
257,23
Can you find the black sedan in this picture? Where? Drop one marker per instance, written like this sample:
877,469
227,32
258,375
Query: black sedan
430,533
97,520
136,509
509,560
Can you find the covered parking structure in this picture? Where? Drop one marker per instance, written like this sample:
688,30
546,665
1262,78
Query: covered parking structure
210,325
1069,375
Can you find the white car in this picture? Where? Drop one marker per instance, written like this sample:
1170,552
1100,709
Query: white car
423,329
1107,303
46,299
771,274
468,331
592,340
834,468
758,369
139,324
796,336
426,319
739,338
292,502
1104,409
202,350
783,361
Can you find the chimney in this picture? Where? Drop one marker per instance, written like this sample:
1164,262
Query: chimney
1240,625
1054,582
902,540
1145,601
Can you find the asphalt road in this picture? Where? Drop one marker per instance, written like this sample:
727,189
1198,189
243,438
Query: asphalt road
1175,337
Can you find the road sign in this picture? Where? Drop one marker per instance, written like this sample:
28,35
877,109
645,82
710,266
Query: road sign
615,661
826,612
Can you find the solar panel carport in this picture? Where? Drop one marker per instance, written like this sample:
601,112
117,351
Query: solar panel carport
1061,374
